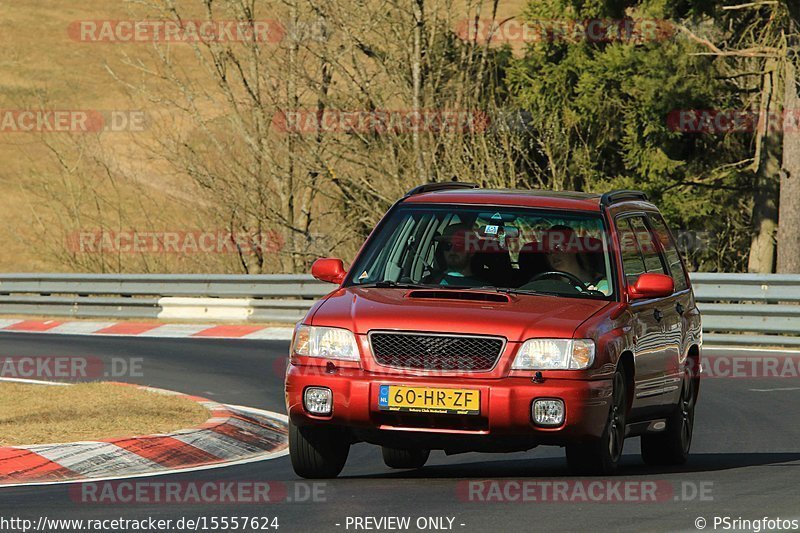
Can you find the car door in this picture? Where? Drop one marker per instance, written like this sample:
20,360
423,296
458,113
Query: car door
677,308
664,311
647,334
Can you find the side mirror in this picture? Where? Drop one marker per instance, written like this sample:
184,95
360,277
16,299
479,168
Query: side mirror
652,285
329,269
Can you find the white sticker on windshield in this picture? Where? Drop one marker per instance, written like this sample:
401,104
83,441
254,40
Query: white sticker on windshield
363,275
491,230
497,216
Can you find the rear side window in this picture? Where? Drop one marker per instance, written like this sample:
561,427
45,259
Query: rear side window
650,250
632,261
670,252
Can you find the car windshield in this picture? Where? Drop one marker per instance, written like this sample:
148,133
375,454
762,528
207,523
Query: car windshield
510,249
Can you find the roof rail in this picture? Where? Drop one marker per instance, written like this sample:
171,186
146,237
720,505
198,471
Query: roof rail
622,194
441,186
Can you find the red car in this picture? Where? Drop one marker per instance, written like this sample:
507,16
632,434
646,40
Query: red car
497,321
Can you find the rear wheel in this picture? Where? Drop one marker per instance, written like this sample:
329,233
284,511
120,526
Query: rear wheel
601,456
318,451
408,459
671,446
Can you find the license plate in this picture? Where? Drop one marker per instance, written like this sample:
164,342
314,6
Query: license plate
429,400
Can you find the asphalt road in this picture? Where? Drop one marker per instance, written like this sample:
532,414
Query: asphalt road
745,459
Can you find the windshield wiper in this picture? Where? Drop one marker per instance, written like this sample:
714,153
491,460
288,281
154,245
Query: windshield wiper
504,290
389,284
511,290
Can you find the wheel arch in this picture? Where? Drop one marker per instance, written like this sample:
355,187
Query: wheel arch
627,364
693,364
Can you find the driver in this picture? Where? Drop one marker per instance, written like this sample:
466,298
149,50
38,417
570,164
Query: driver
457,246
564,254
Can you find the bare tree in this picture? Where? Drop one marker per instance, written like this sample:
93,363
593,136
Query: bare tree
245,126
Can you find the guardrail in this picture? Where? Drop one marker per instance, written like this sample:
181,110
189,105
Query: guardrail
762,309
263,298
756,309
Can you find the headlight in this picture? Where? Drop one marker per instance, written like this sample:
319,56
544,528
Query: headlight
326,343
554,354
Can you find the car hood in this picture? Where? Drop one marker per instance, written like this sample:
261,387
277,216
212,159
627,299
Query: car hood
518,318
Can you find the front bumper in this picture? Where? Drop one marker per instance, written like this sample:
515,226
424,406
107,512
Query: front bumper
504,422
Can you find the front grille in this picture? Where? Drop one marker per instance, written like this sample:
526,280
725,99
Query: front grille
430,351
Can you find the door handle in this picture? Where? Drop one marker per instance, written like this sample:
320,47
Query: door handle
658,315
679,308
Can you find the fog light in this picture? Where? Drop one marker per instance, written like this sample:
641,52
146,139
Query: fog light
548,412
318,400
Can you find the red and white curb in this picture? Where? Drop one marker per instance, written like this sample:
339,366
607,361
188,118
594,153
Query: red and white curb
233,435
147,329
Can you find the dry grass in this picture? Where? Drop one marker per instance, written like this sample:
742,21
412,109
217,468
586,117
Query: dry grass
40,414
41,65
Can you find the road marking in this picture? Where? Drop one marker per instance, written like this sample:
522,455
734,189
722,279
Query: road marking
263,456
772,390
737,349
87,458
175,331
35,381
150,330
80,328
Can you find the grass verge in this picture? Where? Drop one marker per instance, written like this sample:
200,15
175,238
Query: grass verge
42,414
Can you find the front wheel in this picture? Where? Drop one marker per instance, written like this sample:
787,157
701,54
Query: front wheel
407,459
318,452
601,456
671,446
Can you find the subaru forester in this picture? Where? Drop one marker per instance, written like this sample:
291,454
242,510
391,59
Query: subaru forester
498,321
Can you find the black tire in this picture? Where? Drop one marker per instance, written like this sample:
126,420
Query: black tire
318,452
671,446
406,459
601,456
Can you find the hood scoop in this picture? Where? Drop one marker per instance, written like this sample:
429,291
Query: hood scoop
475,296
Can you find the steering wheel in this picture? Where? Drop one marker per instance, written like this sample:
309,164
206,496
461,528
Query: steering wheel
573,280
